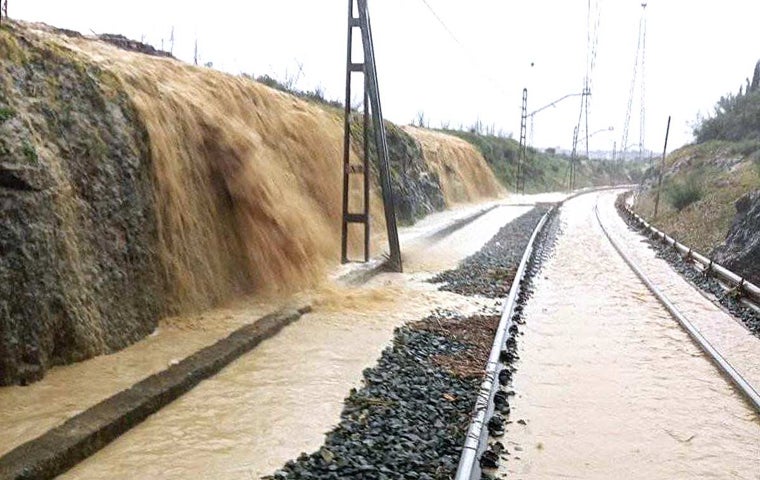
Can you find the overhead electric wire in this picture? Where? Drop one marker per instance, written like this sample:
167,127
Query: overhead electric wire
642,118
468,53
640,62
629,108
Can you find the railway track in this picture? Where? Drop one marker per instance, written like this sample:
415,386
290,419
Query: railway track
720,361
478,457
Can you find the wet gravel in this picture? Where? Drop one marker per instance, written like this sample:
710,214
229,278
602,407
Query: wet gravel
489,272
496,453
696,277
409,419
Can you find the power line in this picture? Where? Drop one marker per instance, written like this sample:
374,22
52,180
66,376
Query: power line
639,62
468,53
443,24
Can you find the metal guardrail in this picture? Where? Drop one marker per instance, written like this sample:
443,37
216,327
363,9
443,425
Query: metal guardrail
742,286
474,445
723,365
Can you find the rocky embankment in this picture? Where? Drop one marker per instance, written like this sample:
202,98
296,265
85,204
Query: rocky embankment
79,273
134,186
711,189
741,250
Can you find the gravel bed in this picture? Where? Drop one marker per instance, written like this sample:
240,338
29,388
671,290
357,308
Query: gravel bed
696,277
496,452
409,419
489,272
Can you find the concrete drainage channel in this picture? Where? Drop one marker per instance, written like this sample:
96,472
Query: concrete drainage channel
81,436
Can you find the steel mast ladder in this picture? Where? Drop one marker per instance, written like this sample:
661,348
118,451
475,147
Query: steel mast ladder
358,17
523,151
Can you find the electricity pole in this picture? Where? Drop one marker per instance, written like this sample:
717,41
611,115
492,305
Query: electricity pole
662,170
358,18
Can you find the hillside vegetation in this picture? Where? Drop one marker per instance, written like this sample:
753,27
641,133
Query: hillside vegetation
546,172
703,182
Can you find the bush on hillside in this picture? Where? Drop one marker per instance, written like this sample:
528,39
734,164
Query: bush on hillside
682,194
736,118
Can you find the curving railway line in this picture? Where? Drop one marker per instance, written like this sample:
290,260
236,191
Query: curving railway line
605,363
622,368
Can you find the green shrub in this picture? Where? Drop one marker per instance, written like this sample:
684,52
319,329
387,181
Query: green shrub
6,113
745,147
735,118
682,194
29,152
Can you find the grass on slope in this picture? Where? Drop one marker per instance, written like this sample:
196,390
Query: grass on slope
545,172
723,172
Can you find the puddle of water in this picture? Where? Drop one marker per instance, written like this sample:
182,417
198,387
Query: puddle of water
610,386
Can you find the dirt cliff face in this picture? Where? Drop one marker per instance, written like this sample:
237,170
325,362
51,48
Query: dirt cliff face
741,250
133,186
77,232
462,171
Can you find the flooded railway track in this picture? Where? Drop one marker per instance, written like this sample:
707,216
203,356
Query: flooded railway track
602,381
591,376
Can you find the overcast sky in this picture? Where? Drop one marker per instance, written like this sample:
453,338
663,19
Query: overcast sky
475,68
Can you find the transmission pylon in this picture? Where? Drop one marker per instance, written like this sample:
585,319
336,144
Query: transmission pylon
639,64
358,17
573,161
523,149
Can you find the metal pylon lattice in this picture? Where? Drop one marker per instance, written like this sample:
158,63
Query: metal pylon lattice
639,67
522,153
358,18
573,161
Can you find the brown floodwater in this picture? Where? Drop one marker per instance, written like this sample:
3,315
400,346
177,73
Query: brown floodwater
280,399
609,385
28,412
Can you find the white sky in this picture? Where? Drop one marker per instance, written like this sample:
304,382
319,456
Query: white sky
696,52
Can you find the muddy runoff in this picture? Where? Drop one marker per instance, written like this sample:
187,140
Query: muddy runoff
280,399
608,383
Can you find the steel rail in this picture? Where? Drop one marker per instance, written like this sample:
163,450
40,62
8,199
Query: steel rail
474,445
723,365
745,287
